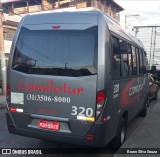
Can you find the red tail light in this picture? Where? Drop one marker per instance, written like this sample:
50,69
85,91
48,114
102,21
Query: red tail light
13,109
56,27
89,138
101,97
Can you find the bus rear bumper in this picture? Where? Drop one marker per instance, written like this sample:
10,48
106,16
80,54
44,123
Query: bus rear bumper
96,131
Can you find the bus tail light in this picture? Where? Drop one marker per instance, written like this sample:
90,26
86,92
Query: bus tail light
15,109
89,138
100,99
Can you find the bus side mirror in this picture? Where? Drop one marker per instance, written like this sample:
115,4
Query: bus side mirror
143,70
153,69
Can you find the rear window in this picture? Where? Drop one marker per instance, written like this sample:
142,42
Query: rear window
60,53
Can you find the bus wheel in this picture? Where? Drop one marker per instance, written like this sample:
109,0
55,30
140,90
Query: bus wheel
121,135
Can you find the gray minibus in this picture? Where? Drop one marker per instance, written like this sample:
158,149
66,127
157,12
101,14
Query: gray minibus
75,77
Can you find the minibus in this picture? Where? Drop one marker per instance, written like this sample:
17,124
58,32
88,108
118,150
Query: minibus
75,77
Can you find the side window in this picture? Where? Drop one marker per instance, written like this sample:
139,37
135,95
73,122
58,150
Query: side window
134,61
130,59
116,58
144,59
137,57
140,61
124,58
145,62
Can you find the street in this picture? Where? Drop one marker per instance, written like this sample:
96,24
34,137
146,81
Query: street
8,140
59,52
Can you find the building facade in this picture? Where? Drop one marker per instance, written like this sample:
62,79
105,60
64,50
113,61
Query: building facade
9,28
12,7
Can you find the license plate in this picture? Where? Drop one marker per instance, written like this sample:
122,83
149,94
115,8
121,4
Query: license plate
49,125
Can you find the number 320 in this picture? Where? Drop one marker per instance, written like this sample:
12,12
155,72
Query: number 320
81,111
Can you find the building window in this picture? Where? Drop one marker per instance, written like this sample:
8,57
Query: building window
8,33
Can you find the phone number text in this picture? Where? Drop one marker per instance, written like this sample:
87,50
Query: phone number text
34,97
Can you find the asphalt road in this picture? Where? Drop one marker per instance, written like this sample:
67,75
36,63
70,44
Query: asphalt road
8,140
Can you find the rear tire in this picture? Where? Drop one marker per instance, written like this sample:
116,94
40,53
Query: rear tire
121,135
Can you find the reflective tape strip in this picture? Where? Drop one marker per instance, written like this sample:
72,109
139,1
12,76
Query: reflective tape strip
81,117
86,118
108,117
90,119
19,110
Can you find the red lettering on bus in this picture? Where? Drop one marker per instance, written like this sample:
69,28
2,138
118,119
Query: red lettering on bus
50,87
57,89
80,90
19,86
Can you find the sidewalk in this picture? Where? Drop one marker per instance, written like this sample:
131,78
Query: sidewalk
146,135
2,101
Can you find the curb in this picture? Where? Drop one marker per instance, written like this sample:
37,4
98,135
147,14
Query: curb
2,106
3,102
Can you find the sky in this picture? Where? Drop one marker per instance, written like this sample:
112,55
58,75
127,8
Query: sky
149,15
152,7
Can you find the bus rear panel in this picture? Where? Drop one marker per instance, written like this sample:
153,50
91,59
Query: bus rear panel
60,83
52,83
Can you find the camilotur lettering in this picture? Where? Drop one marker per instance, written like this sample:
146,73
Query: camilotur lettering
50,87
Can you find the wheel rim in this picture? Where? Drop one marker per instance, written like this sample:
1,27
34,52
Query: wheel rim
123,133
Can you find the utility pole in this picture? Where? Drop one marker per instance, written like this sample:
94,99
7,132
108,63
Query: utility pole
136,30
150,52
2,54
154,44
126,16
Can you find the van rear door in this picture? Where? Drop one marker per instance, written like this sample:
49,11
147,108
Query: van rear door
54,72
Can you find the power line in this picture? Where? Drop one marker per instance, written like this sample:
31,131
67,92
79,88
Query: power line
141,12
